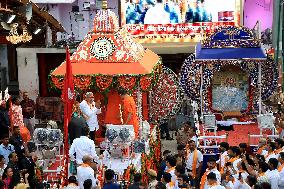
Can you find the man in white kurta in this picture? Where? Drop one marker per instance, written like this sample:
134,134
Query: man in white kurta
157,14
281,170
212,168
194,160
83,146
273,174
84,172
212,181
224,146
90,110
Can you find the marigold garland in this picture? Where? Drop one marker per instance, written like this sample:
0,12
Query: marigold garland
104,82
145,82
82,82
127,82
58,81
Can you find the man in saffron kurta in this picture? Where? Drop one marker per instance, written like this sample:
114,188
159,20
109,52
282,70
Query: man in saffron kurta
129,112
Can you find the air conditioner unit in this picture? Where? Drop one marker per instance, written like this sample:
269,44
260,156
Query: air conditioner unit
86,6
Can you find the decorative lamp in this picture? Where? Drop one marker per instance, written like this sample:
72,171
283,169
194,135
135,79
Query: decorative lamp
14,37
26,37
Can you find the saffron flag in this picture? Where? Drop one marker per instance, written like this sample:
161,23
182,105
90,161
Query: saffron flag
68,95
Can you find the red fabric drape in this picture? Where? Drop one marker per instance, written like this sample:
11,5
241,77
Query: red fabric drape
42,72
145,107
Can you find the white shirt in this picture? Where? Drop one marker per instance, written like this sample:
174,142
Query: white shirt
2,170
217,187
218,176
274,178
157,15
84,173
243,174
172,172
239,185
92,114
273,155
82,146
223,159
281,180
235,164
171,186
264,152
189,160
6,151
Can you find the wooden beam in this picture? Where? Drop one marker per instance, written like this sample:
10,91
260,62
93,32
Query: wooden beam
53,23
3,40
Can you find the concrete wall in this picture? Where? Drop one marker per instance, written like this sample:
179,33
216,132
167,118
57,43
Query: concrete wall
28,68
4,59
63,13
255,10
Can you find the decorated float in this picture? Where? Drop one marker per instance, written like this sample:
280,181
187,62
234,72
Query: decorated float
109,60
230,74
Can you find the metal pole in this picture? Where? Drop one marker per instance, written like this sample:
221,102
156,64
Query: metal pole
201,94
259,87
276,29
139,101
282,8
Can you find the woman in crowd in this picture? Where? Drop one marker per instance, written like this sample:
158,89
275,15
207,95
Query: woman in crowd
17,119
7,178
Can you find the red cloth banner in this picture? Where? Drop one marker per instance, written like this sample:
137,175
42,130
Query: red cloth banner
172,29
68,95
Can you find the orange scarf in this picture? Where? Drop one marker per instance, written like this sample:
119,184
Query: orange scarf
280,167
261,174
169,170
84,165
268,154
279,130
194,163
233,159
215,184
259,151
203,179
278,151
171,184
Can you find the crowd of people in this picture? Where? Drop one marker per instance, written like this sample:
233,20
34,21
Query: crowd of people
17,163
166,12
237,167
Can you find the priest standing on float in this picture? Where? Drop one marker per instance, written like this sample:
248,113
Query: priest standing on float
129,112
121,110
90,110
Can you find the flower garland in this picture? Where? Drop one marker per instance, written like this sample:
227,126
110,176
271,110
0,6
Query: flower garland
83,82
152,160
129,173
148,161
191,77
58,81
127,82
166,96
145,82
103,82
